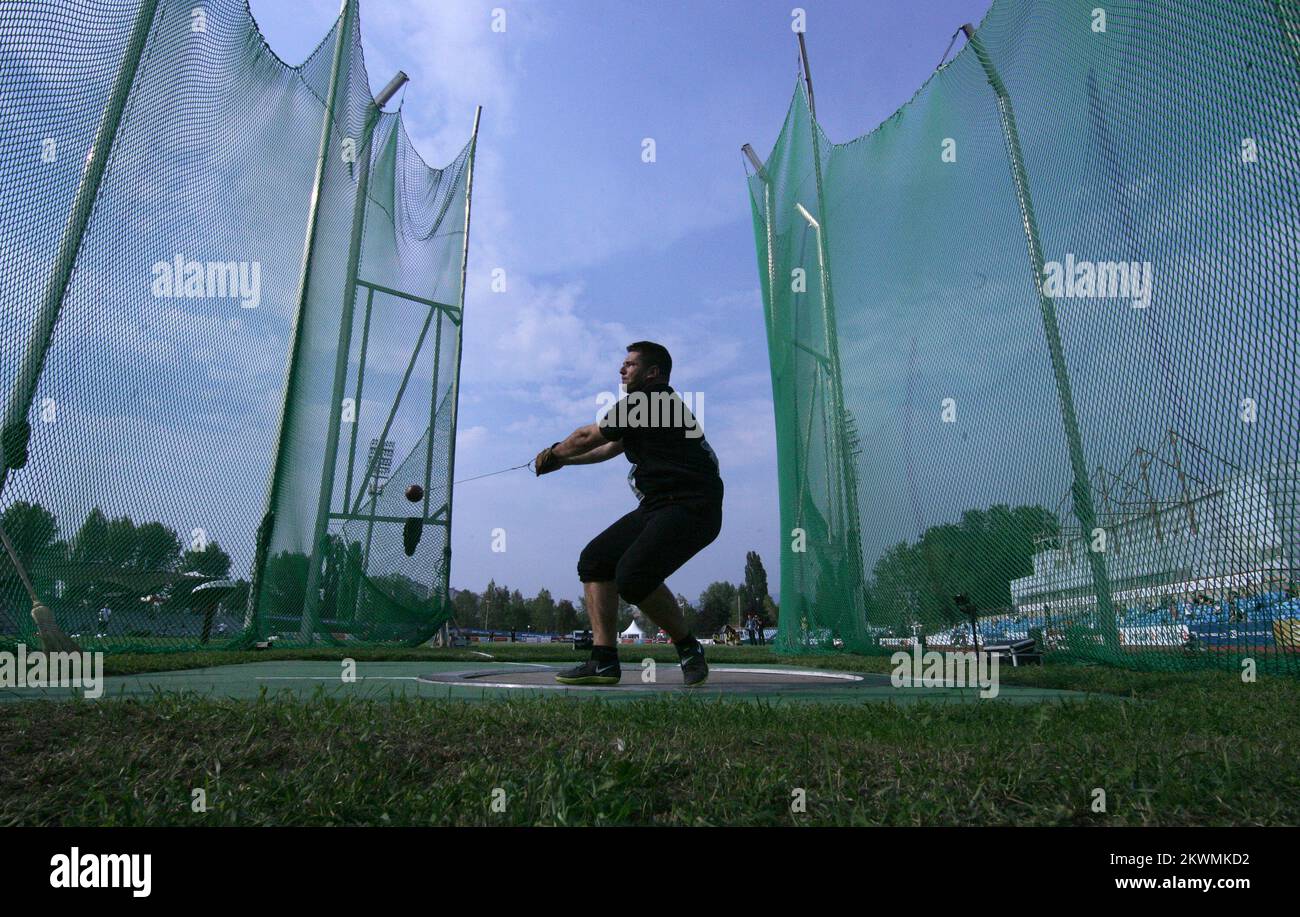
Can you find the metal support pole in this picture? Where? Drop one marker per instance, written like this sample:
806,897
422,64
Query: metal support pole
347,17
830,423
342,352
769,268
460,341
392,412
770,241
1143,464
16,433
841,472
1288,23
1182,481
433,416
370,524
776,353
807,76
1084,510
1105,493
356,398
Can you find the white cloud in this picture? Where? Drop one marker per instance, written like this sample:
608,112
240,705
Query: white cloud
455,62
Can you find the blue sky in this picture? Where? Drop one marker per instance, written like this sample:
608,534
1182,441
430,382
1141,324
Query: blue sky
600,248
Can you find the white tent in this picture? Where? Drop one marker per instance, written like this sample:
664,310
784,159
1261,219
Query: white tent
633,632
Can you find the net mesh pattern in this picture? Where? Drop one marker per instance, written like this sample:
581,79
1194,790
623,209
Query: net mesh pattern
177,294
1033,344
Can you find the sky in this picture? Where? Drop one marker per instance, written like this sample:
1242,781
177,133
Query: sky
598,247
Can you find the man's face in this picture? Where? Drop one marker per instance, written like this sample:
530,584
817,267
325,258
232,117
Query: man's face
634,374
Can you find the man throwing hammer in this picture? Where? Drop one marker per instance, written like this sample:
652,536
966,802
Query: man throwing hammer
675,478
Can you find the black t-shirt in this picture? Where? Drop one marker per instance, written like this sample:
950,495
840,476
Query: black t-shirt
671,459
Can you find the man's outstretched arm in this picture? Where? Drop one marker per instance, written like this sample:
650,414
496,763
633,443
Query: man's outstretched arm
601,453
584,446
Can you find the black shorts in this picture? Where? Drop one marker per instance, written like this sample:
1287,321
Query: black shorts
641,550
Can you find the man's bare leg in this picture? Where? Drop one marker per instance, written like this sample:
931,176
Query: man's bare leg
602,609
661,607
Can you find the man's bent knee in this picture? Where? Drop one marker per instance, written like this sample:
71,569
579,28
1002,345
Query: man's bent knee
635,588
591,569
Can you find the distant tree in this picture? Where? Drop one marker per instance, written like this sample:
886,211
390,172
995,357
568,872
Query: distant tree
496,603
900,588
625,614
32,529
211,561
754,591
489,613
978,556
286,583
690,615
566,616
340,581
121,542
466,605
542,612
517,614
717,606
91,543
394,595
156,547
237,601
398,607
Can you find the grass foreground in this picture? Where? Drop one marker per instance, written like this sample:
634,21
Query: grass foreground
1183,749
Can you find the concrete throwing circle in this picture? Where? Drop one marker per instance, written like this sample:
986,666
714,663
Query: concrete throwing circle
667,677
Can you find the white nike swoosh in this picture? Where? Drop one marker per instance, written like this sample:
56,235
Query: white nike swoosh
608,668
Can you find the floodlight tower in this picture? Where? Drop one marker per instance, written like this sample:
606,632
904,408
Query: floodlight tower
381,459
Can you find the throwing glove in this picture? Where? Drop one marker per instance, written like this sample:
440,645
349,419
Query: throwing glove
546,462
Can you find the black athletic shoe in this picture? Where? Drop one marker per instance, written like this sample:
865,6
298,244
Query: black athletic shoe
591,672
695,671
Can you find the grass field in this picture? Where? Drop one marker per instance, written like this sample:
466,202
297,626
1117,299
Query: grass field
1180,749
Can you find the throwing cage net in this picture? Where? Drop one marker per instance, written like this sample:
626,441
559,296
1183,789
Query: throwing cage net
1033,344
230,334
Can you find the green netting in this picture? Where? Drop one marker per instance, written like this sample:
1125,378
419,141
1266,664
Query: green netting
223,458
969,400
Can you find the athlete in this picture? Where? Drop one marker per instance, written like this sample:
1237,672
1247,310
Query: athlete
675,479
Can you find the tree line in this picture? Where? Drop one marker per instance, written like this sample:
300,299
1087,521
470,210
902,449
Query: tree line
114,542
106,561
979,556
103,543
500,608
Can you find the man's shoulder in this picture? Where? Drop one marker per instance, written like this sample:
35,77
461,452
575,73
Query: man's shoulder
658,407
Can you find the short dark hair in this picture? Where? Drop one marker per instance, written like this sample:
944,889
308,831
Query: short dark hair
655,355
